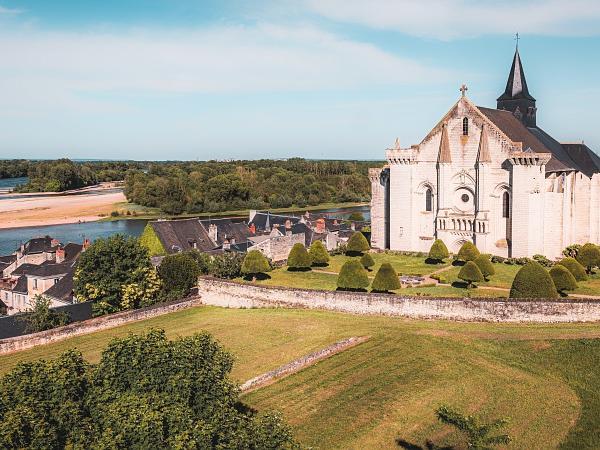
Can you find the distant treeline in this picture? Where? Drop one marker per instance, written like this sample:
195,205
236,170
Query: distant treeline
213,186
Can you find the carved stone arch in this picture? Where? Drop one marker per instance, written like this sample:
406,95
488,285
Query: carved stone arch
463,179
499,189
424,185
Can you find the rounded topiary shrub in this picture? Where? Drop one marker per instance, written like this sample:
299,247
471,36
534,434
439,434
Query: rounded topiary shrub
357,244
367,261
386,279
589,256
563,279
470,273
255,263
485,265
468,252
438,251
299,259
533,281
353,276
575,268
318,254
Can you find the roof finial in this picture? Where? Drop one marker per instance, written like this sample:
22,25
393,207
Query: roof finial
517,38
463,89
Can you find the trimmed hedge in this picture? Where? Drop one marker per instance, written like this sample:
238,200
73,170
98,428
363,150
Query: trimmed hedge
438,251
468,252
575,268
254,263
367,261
470,273
533,281
562,278
357,244
589,256
386,279
353,276
299,259
318,254
485,265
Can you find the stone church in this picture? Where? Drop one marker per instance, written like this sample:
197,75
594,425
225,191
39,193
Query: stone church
489,176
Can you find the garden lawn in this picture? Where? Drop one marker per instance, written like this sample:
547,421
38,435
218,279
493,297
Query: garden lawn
545,377
404,265
505,274
589,287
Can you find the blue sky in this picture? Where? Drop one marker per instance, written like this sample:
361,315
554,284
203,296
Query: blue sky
184,79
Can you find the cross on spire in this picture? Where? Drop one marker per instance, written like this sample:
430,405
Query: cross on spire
517,38
463,89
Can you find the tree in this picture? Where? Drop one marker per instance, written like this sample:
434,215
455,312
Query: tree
116,274
438,251
42,317
485,265
353,276
468,252
146,392
470,273
318,254
589,256
356,216
255,263
299,259
367,261
227,265
357,244
386,279
179,274
533,281
479,435
575,268
563,279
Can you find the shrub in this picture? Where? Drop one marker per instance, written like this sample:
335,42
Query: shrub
179,274
42,317
572,251
533,281
357,244
356,216
114,214
353,276
438,251
589,256
468,252
255,263
543,260
498,259
485,265
470,273
575,268
478,434
563,279
203,260
227,265
386,279
318,254
298,259
367,261
341,249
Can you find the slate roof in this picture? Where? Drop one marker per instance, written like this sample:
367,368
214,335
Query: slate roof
584,157
260,220
6,261
180,235
516,85
39,245
46,269
72,251
227,229
63,290
21,286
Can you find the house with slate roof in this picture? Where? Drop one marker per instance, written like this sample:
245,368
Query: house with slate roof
489,176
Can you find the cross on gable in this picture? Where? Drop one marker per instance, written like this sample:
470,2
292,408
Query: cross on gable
463,89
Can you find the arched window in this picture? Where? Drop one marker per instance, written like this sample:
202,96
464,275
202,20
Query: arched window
505,205
465,126
428,200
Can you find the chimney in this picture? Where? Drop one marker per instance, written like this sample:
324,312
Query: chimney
252,228
353,226
60,255
226,245
213,232
86,244
320,227
232,241
54,243
288,224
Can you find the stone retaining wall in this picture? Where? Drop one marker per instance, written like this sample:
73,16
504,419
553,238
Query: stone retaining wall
96,324
236,295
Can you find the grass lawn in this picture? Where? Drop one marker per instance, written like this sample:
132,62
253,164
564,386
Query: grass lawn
503,278
589,287
404,265
544,377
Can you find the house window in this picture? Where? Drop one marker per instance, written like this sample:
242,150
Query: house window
35,283
505,205
465,126
428,200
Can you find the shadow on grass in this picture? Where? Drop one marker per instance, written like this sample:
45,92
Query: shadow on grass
458,263
299,269
350,290
428,445
320,265
462,285
433,261
257,277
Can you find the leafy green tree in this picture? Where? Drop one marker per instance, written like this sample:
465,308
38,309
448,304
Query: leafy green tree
318,254
41,317
146,392
179,274
386,279
589,256
255,263
533,281
575,268
356,216
470,273
438,251
563,279
479,435
485,265
116,273
357,244
299,259
367,261
572,251
468,252
203,260
353,276
227,265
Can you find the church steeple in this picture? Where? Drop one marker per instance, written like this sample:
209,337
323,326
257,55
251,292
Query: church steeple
516,97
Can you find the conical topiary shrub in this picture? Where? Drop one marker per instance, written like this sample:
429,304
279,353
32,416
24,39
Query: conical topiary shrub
318,254
533,281
485,265
468,252
255,263
589,256
386,279
353,276
367,261
563,279
357,244
470,273
438,252
298,259
575,268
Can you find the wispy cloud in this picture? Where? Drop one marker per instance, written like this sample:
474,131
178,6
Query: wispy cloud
9,11
449,19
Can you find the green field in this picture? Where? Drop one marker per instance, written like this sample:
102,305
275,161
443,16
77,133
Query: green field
544,377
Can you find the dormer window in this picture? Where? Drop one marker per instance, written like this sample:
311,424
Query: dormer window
465,126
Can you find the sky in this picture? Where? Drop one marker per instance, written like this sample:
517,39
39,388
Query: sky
232,79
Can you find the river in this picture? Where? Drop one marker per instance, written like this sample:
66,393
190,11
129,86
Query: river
10,239
7,184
